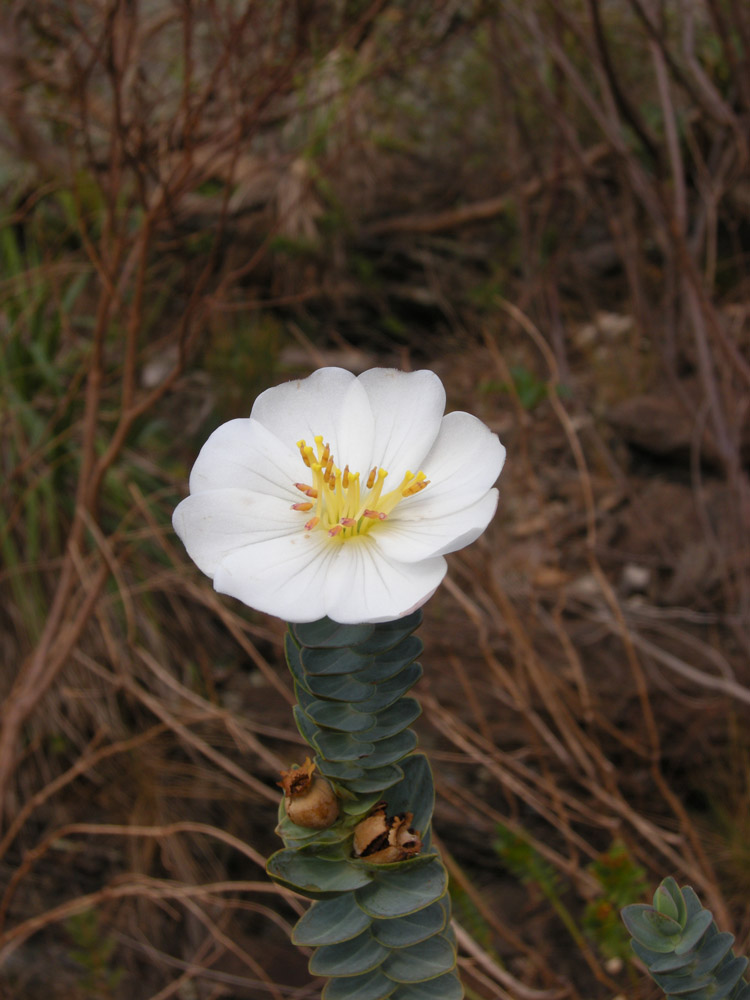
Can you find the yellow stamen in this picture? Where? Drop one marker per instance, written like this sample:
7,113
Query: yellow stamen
350,507
410,491
307,490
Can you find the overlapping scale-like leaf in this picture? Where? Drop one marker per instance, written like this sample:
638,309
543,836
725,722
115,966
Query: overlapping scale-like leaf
683,950
379,930
331,922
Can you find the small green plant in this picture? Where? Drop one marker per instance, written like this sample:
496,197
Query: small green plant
530,389
523,860
93,951
685,953
622,883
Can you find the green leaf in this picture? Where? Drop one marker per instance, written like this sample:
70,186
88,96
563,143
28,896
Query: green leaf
729,976
324,662
696,928
661,923
332,715
311,874
393,719
447,987
362,805
664,903
391,662
389,634
669,962
294,660
329,633
307,728
669,886
692,902
349,958
399,893
391,750
411,929
713,951
339,770
679,985
340,687
388,691
416,793
420,962
340,746
330,922
641,928
372,986
376,780
648,956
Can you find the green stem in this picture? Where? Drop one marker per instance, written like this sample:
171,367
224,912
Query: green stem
379,929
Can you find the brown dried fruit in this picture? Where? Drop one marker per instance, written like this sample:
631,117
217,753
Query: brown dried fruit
381,840
309,799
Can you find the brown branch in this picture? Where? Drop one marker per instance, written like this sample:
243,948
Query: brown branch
481,211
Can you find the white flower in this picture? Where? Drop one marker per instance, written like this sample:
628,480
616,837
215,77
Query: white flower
340,495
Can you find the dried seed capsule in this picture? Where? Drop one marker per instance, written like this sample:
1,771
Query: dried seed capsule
381,840
308,798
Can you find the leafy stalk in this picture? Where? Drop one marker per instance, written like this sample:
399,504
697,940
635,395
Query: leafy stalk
685,953
379,929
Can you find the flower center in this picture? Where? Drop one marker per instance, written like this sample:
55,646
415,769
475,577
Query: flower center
340,502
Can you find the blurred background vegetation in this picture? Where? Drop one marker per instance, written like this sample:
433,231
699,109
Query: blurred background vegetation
545,201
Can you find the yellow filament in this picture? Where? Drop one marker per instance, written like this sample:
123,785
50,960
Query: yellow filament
346,509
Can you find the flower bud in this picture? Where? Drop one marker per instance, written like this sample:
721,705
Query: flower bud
381,841
308,798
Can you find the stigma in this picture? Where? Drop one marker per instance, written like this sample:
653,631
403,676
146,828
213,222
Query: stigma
343,503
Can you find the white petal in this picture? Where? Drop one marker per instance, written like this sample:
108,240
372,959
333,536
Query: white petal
332,403
408,408
414,539
215,523
464,462
352,440
243,454
283,576
362,585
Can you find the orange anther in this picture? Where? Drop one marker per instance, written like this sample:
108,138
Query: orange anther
371,477
345,477
376,515
335,530
410,491
348,522
302,506
312,523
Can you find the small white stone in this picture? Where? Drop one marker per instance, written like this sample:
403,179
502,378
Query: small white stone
635,579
